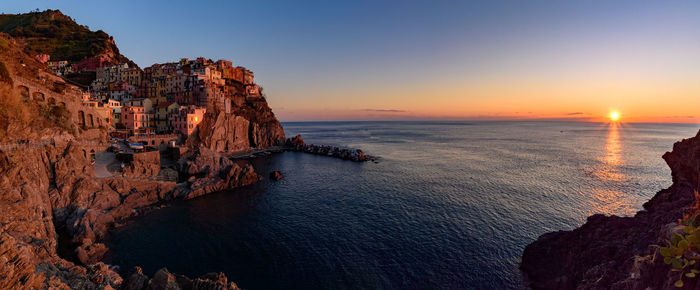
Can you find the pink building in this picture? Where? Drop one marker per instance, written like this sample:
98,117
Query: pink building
137,120
91,63
42,57
185,119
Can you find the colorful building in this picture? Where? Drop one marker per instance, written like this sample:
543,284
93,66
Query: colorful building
137,120
91,63
162,113
186,118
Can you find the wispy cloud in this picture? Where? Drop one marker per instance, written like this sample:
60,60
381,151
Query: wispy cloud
385,110
679,117
576,113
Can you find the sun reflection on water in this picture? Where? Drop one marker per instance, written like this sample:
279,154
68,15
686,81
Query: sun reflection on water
612,160
610,200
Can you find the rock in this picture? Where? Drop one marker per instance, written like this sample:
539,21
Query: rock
136,281
295,142
163,279
91,253
276,175
228,133
619,252
143,165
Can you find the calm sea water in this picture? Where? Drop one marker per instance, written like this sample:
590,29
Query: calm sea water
450,205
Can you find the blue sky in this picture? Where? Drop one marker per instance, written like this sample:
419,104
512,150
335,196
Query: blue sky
321,60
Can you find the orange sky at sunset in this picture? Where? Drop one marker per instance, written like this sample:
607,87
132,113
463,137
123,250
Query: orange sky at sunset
642,101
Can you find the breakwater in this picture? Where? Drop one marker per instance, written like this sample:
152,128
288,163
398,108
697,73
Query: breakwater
297,144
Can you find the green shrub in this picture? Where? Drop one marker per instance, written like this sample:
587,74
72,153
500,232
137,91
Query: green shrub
683,250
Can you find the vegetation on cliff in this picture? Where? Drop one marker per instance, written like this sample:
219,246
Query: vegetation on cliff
56,34
4,74
682,250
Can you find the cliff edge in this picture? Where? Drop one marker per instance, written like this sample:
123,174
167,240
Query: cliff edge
611,252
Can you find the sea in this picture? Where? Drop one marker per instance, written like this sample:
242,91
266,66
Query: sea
448,205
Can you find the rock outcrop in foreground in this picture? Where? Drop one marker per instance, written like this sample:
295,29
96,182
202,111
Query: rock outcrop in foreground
610,252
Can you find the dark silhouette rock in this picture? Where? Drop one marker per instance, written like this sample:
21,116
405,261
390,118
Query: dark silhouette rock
611,252
163,279
297,144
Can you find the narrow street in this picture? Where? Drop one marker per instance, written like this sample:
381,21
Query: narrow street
102,160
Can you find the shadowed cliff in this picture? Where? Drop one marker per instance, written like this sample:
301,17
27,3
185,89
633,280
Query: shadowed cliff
611,252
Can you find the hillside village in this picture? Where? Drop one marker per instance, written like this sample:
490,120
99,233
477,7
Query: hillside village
169,98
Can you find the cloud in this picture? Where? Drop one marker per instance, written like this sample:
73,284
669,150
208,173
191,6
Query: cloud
679,117
385,110
576,113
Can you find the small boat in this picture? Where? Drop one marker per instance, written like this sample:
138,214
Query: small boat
136,146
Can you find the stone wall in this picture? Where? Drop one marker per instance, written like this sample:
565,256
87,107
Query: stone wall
142,165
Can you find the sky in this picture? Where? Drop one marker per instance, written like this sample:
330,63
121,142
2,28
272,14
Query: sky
428,60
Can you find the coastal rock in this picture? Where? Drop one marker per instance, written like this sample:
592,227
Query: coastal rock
224,132
295,141
89,253
143,165
163,279
297,144
228,133
136,281
276,175
618,252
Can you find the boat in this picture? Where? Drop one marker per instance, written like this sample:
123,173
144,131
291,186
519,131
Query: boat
136,146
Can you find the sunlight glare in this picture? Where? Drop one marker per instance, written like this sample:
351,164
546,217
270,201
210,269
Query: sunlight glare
614,116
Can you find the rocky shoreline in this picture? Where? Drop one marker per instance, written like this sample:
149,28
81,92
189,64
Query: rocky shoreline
51,194
611,252
297,144
56,210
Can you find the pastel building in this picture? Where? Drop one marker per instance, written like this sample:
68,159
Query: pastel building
116,108
137,120
185,119
147,105
91,63
132,76
162,113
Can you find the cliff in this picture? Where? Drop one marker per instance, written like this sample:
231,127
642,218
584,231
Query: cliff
55,212
611,252
251,124
54,33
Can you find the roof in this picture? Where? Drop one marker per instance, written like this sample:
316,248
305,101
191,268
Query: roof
164,105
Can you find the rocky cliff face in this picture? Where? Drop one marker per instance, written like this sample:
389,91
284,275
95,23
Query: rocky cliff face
250,125
610,252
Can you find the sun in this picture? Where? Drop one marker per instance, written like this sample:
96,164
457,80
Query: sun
614,116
